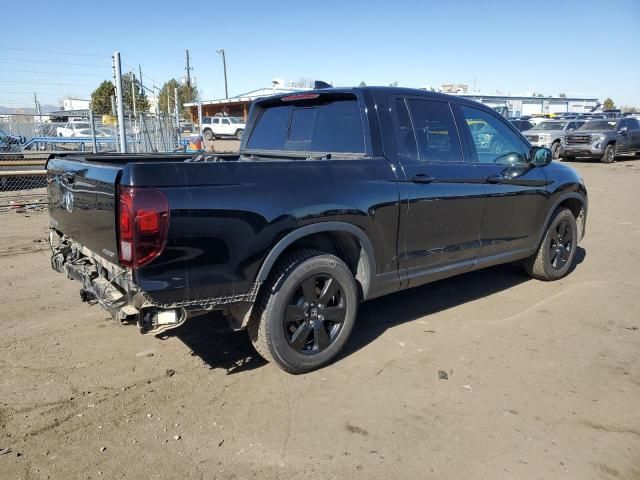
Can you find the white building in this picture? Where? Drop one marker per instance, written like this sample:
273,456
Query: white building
74,103
528,105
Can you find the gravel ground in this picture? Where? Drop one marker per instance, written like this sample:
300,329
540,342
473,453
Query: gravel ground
543,378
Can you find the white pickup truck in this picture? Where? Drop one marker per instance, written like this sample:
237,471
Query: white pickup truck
214,127
72,129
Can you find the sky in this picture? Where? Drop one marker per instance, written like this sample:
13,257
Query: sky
577,47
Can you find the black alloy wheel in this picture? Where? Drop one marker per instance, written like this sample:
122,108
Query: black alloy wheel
561,245
305,311
315,314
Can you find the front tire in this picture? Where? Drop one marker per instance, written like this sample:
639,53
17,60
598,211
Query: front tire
239,133
556,253
305,311
208,134
555,150
609,154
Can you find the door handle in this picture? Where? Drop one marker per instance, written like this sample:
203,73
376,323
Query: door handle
422,178
494,179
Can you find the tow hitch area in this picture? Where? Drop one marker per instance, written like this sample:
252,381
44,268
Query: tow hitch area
154,321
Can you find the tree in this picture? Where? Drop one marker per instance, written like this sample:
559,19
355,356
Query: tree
562,95
101,98
186,94
608,104
129,83
393,84
362,84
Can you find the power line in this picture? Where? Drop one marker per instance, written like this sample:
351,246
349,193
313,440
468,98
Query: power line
31,93
47,83
52,52
54,73
54,63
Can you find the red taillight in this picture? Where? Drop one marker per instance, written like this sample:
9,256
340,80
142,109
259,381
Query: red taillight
143,223
300,96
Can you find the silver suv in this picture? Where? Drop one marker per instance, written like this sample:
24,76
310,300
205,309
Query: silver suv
551,133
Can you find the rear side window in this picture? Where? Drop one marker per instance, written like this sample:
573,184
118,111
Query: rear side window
435,130
329,125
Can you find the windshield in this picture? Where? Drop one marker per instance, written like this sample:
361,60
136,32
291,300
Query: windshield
549,126
598,125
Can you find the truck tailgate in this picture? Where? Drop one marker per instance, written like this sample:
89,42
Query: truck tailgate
82,198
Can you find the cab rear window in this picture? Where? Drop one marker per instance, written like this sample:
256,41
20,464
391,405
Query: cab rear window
324,125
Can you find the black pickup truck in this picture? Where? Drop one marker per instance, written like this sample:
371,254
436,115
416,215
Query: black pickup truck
337,196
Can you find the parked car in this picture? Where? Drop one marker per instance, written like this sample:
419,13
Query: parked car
522,125
337,196
603,139
216,127
551,133
72,129
187,128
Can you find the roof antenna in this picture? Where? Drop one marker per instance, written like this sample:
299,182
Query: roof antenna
319,84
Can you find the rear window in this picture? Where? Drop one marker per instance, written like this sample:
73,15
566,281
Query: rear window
328,125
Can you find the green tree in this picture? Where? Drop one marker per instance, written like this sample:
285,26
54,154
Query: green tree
608,104
129,84
101,98
186,94
393,84
362,84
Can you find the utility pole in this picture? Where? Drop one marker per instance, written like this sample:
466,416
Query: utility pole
188,69
133,93
177,110
120,101
135,114
224,66
35,100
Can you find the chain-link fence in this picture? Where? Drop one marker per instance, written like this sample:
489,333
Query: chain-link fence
26,141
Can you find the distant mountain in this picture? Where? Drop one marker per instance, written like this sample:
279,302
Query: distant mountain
44,108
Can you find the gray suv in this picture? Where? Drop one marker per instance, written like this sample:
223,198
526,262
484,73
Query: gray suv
603,139
550,134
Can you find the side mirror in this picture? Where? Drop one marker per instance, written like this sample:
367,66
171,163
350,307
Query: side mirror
541,156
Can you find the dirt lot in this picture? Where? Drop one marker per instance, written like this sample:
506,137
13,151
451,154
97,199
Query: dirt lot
543,378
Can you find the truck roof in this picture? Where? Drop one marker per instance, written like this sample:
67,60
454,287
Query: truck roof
381,89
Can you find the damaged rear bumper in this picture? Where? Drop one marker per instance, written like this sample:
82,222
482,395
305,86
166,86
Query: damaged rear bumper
113,288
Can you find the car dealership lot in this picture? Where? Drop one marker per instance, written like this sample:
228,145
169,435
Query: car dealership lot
542,378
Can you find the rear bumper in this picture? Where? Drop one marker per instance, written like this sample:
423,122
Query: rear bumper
112,287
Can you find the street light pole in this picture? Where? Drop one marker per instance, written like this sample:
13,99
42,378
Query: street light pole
224,66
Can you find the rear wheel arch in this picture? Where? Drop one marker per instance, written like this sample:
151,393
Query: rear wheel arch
345,241
576,203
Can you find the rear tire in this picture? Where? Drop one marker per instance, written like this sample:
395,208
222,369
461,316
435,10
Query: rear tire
609,154
557,251
305,311
239,133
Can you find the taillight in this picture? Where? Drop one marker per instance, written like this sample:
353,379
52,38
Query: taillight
143,223
299,96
